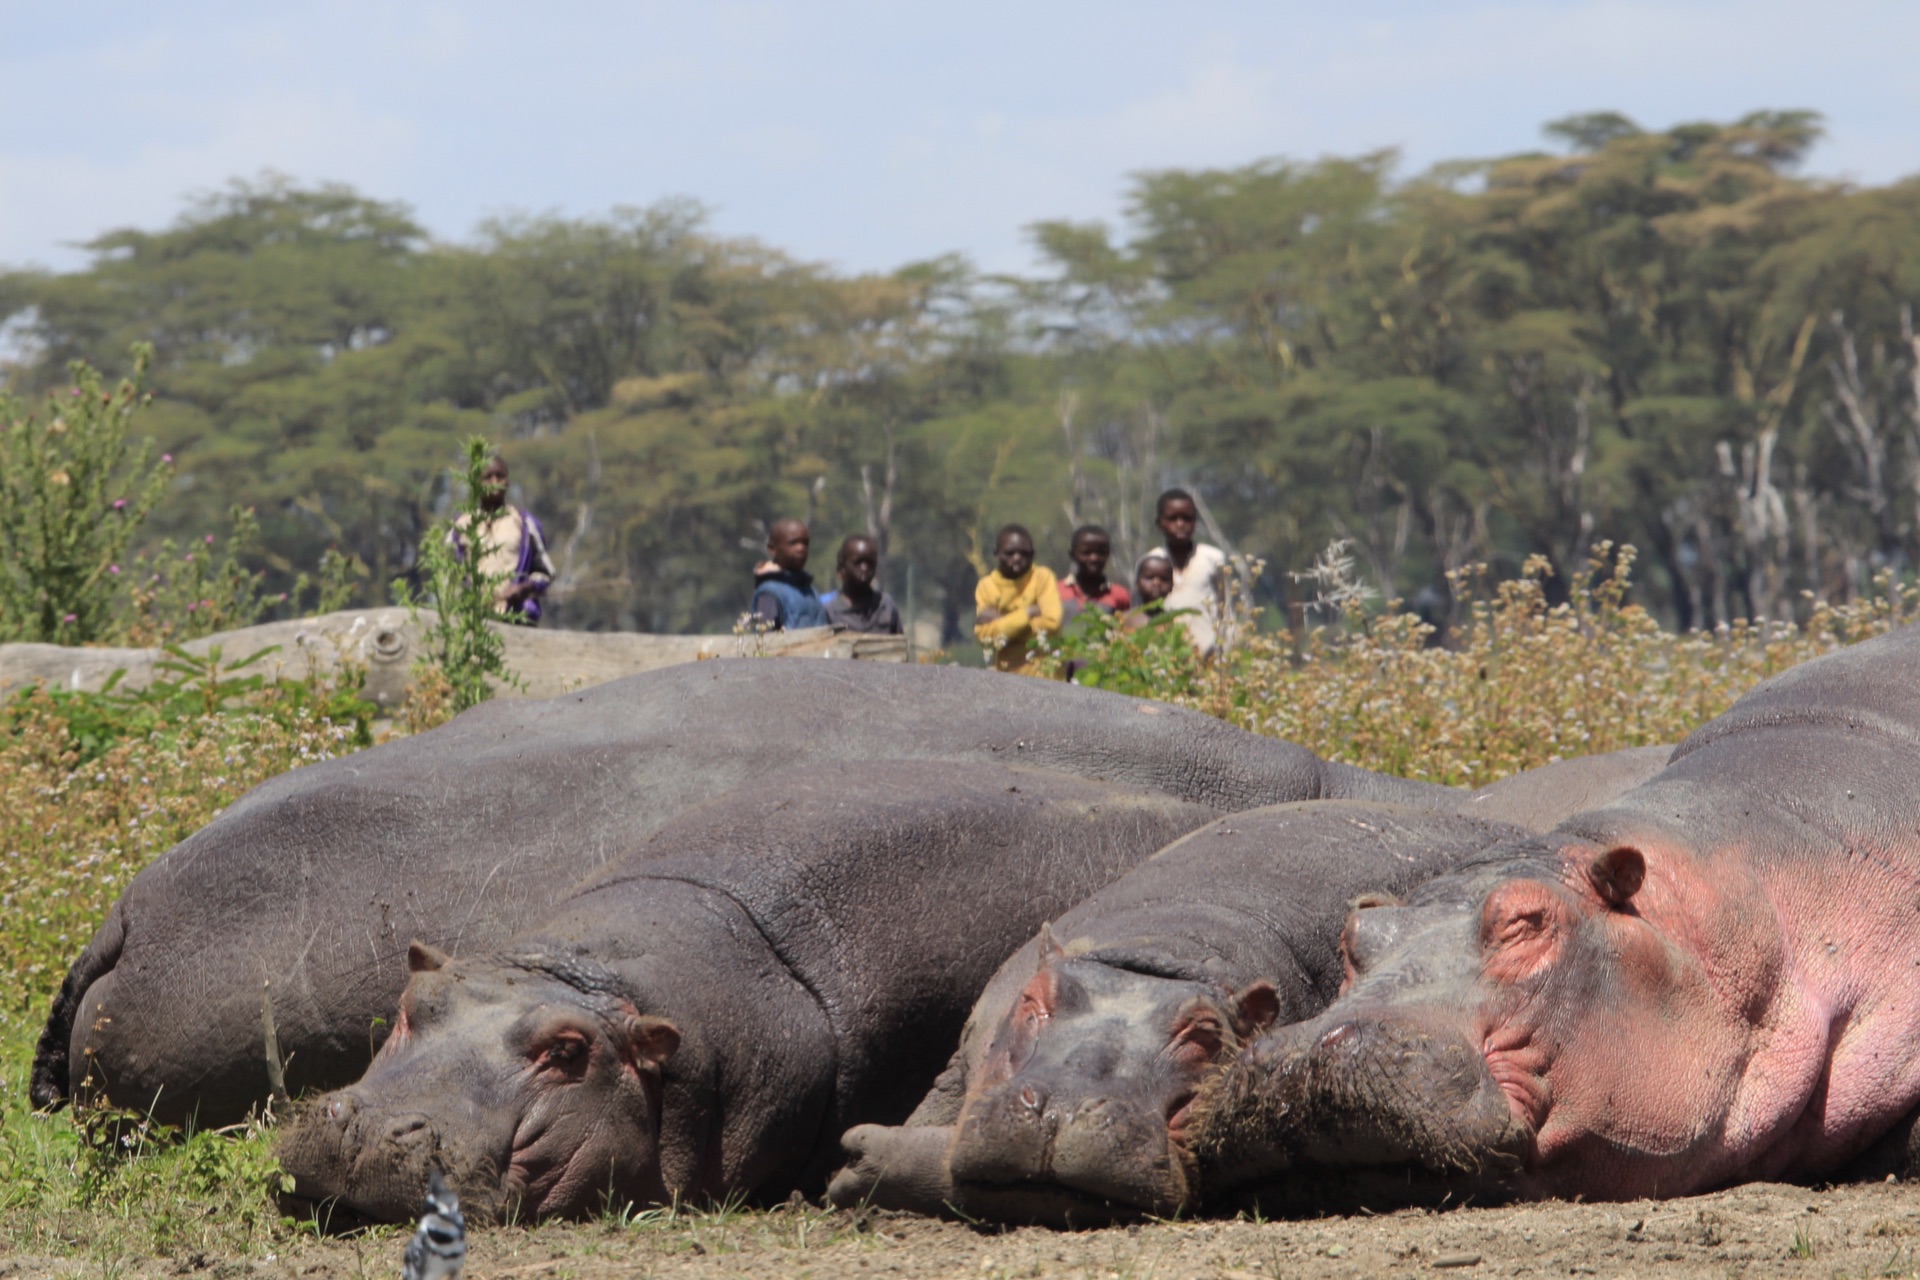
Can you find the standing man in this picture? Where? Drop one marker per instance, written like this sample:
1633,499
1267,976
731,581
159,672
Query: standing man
1199,570
859,606
783,595
1090,550
513,548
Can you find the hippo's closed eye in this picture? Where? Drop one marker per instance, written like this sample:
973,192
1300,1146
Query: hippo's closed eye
1521,928
561,1054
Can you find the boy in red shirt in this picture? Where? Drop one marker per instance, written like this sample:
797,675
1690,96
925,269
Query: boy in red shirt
1087,584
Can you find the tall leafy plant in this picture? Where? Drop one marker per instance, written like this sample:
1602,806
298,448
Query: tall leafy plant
461,639
73,489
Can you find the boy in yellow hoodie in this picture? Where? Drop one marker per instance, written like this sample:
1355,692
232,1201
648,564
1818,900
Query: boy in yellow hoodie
1018,601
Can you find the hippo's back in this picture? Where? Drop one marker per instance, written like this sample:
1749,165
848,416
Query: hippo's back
307,891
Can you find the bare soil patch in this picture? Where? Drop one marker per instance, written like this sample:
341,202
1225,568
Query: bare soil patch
1760,1230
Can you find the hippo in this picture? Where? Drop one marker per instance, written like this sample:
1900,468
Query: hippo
293,910
703,1020
1709,980
1541,799
1067,1102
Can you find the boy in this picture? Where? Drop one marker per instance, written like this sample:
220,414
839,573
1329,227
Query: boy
513,548
783,595
1090,550
1199,570
1018,602
858,606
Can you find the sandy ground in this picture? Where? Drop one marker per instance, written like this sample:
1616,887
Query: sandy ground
1762,1230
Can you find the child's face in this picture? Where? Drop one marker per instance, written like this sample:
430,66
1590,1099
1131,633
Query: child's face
1156,581
1014,552
1090,554
859,563
1177,519
787,545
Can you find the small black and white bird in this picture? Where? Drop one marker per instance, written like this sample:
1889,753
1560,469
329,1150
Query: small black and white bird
438,1249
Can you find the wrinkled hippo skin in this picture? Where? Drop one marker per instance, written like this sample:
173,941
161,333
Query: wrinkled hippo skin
1067,1102
1711,980
704,1020
309,888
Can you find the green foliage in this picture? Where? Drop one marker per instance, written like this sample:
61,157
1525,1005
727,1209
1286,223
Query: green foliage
462,639
1667,336
332,585
1143,655
189,687
73,489
177,594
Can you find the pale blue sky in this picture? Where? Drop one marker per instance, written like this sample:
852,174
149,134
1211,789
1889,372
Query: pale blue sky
868,134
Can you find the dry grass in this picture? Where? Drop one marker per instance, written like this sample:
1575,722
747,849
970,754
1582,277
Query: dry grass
1522,683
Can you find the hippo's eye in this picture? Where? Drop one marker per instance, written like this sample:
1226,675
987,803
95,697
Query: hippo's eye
567,1053
1198,1041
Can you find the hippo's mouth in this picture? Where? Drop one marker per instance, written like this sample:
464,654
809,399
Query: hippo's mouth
1061,1191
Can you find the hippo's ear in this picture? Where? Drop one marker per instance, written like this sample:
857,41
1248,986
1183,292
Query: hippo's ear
1255,1009
424,957
1617,875
654,1040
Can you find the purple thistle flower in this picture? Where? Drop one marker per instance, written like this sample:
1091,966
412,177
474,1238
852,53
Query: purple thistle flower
72,617
114,569
166,457
209,539
119,504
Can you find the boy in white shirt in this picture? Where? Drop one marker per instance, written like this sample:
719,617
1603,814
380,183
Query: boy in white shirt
1199,570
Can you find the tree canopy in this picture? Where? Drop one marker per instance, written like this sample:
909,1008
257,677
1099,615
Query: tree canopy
1665,337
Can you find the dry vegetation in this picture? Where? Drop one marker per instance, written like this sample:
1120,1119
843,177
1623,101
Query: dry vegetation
82,808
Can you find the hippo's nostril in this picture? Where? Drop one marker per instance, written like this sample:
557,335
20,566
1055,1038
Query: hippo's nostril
409,1129
1030,1098
340,1109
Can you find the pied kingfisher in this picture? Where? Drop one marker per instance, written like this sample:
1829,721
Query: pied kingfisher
438,1249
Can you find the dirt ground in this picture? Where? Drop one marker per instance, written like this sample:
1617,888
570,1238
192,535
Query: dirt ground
1762,1230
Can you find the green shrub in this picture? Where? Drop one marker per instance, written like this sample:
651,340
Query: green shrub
1137,654
73,489
461,641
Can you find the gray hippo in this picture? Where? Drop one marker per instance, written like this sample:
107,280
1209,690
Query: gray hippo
1710,980
297,904
1541,799
702,1021
1068,1100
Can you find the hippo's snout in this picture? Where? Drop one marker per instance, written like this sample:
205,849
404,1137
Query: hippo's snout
1078,1160
1357,1093
1006,1137
343,1153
